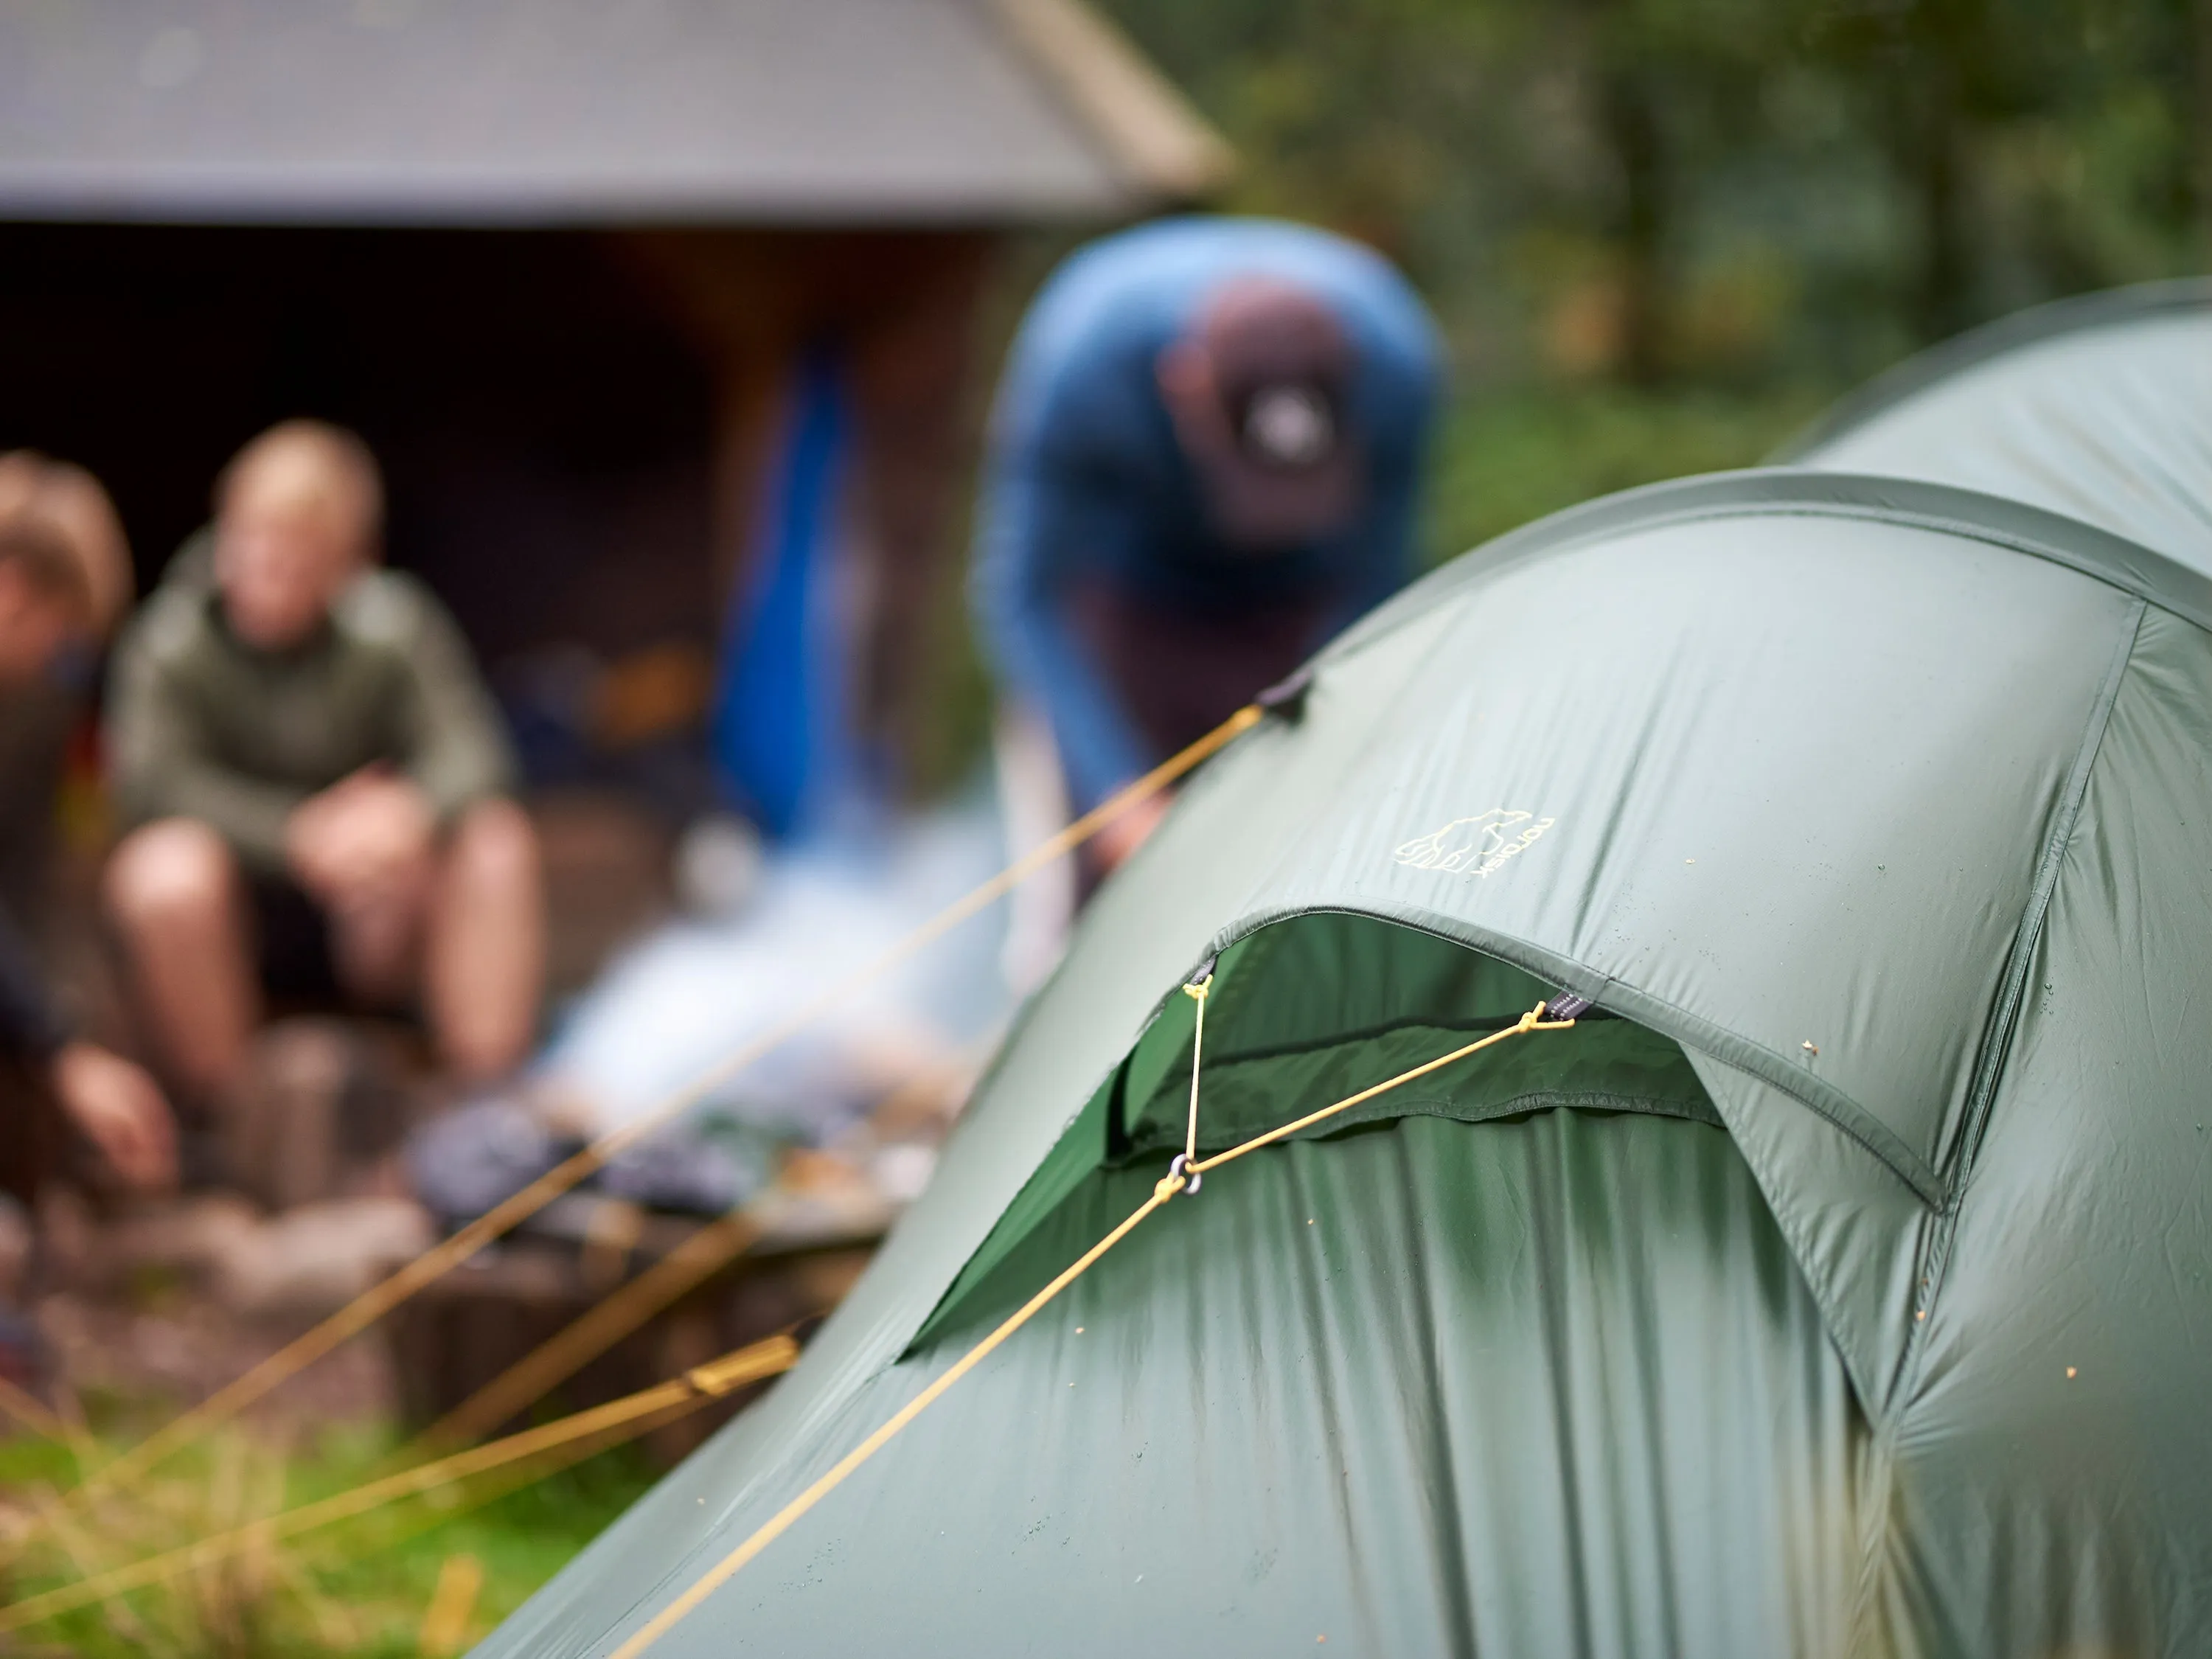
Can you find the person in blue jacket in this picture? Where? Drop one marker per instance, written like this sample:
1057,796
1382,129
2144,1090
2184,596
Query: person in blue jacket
1204,462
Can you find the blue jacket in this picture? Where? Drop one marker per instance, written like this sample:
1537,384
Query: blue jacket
1087,483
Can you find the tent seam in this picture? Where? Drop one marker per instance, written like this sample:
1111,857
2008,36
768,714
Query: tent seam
1529,1104
2013,526
2039,325
1918,519
1817,1096
2004,1018
1379,1029
1998,1037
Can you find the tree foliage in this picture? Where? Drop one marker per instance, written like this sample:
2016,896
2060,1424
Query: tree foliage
1717,191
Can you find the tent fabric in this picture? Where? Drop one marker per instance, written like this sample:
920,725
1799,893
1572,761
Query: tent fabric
2064,1360
2098,407
1890,805
1303,1015
1227,1426
1306,1014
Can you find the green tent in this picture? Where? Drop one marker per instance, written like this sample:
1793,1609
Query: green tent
1843,1288
2098,407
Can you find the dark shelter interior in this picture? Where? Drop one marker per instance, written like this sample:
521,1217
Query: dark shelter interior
566,270
532,402
572,422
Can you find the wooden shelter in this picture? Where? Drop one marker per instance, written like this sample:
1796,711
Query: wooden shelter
565,264
582,272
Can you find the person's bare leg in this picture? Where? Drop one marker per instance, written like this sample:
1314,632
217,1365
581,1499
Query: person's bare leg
376,938
173,891
485,965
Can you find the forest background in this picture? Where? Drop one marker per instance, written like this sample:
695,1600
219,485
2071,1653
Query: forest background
1661,234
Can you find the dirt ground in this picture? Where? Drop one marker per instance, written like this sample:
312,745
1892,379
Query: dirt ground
186,1344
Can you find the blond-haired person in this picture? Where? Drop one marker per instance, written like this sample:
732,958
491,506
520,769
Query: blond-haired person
316,782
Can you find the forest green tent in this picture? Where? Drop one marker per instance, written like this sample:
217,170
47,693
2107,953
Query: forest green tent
2098,407
1846,1290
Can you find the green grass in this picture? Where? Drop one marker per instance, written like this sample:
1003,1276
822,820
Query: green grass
358,1587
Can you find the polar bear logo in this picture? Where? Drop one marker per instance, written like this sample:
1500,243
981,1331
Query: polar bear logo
1477,846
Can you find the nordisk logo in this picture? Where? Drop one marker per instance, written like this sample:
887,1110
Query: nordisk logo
1481,846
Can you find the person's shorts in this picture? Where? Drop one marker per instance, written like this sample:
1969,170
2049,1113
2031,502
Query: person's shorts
292,942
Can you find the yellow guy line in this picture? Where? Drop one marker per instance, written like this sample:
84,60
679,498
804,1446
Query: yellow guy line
568,1351
561,1355
442,1259
1196,991
1168,1186
695,1386
35,1414
446,1621
452,1502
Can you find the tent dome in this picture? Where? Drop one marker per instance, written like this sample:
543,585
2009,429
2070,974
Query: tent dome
2098,407
1845,1288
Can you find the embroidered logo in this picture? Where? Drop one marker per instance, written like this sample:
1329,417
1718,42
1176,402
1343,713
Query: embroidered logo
1481,846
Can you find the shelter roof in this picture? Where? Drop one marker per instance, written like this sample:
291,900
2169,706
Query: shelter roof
569,112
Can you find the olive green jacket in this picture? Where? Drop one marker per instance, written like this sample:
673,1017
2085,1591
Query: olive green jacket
201,725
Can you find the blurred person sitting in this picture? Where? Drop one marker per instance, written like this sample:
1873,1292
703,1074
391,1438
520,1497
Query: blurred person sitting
1204,462
43,710
65,575
315,780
